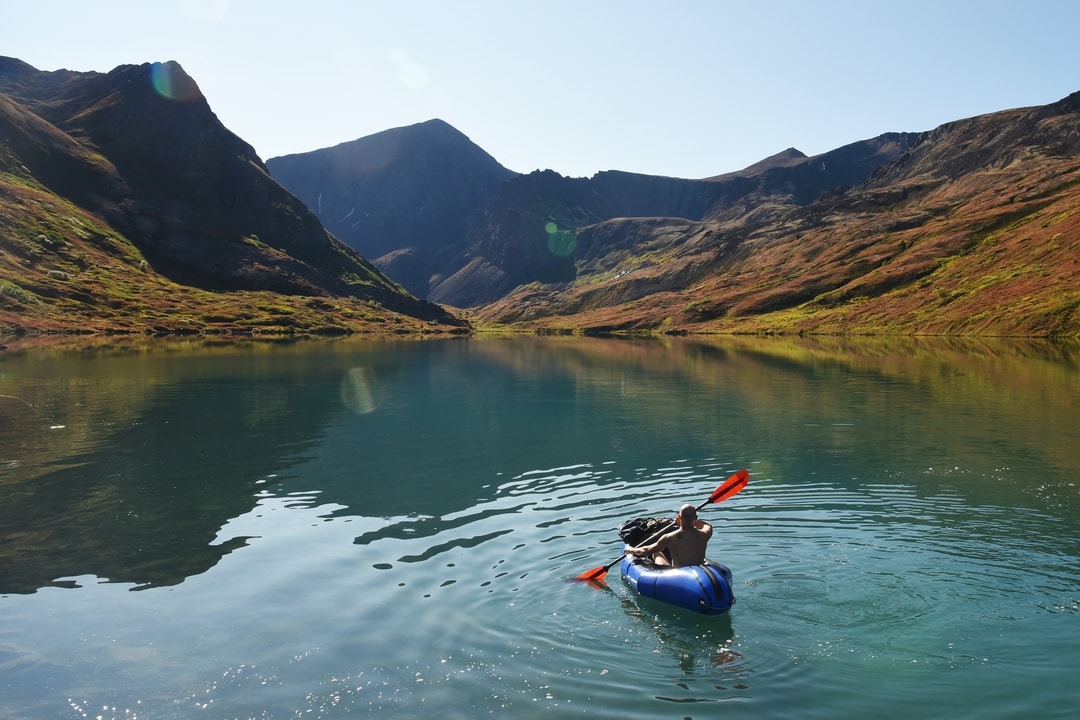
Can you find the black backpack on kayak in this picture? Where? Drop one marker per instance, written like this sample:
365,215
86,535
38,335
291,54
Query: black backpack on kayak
637,530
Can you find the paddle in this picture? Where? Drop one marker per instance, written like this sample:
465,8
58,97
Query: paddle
726,489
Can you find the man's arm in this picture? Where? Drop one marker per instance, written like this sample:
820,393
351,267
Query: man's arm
654,547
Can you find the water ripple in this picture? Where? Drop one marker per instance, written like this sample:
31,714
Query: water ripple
467,542
867,574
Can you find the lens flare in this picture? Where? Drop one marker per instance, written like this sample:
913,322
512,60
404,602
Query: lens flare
358,391
560,242
170,81
412,73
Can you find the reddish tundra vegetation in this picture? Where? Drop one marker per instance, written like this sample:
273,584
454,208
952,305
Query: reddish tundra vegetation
122,211
975,231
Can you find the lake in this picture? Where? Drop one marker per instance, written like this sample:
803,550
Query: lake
353,528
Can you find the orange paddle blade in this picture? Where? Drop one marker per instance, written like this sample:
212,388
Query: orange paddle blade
596,575
730,487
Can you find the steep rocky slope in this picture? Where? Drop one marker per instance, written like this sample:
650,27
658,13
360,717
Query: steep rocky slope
126,205
407,197
975,229
439,215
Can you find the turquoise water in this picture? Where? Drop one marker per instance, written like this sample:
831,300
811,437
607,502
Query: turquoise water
387,529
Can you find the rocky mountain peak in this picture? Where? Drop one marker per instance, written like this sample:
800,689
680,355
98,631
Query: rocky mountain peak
139,150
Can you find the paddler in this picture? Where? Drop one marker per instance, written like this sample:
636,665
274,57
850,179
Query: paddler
686,545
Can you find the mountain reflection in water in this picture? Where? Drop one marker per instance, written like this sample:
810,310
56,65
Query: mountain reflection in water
125,465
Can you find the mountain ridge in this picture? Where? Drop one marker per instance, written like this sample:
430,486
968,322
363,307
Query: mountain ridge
125,206
405,197
151,177
974,230
516,222
878,236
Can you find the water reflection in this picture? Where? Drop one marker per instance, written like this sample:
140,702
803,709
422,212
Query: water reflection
156,454
383,528
125,464
841,404
701,651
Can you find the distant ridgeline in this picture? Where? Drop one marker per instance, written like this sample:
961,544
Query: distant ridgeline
446,220
126,206
971,228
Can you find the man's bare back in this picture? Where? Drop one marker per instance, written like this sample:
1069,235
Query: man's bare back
686,545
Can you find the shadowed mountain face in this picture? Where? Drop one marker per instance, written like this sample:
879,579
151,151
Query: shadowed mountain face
971,228
447,221
124,204
139,151
408,197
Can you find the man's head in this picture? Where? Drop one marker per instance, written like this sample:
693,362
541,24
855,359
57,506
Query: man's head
687,515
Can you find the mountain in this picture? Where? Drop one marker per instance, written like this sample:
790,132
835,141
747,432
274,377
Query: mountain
442,217
126,205
971,228
407,197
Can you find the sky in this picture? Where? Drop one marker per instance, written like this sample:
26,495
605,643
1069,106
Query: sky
689,89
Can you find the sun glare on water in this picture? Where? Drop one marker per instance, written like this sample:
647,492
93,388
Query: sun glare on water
358,391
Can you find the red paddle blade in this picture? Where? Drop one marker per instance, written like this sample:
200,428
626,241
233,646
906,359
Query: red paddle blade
730,487
596,575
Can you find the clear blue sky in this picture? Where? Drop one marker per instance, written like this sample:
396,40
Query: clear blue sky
687,89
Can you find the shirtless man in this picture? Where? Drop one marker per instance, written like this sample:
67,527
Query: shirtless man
686,544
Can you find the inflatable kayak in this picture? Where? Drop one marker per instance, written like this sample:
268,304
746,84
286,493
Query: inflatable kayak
704,588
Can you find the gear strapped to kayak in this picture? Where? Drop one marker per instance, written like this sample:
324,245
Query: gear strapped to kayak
636,530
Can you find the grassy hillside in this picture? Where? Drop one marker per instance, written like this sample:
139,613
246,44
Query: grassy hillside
123,209
63,270
975,232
